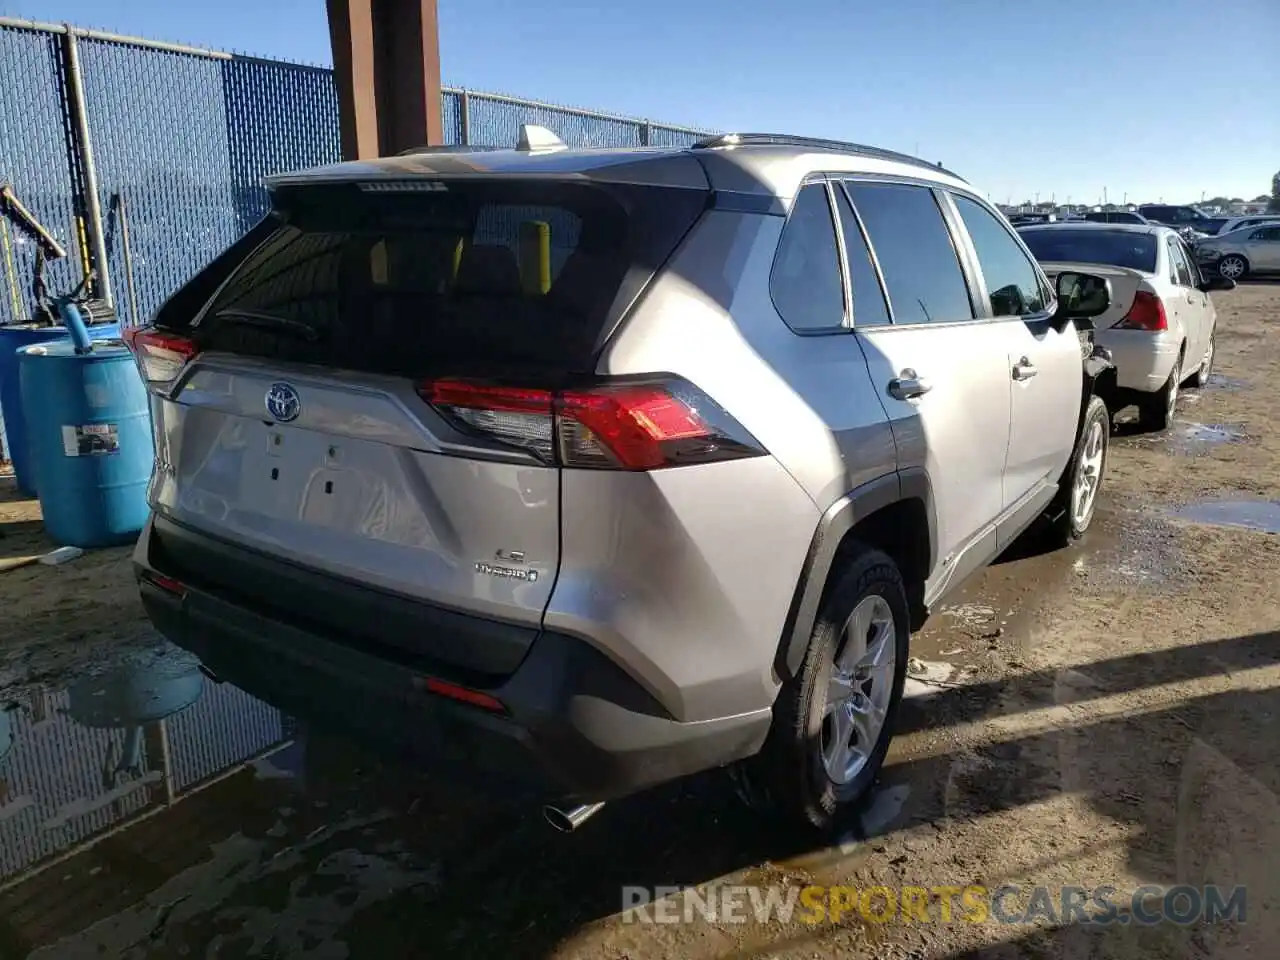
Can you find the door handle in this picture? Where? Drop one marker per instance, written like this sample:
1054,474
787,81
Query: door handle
1024,369
909,385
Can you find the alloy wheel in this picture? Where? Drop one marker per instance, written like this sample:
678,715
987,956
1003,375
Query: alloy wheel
859,690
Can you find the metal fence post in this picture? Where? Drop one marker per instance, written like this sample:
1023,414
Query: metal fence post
464,117
83,146
646,133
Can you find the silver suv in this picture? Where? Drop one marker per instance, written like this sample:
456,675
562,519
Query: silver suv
598,468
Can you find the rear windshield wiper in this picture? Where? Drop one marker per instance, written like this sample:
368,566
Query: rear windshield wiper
252,318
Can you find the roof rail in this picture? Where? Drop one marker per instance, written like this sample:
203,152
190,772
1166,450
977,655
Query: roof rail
450,148
815,143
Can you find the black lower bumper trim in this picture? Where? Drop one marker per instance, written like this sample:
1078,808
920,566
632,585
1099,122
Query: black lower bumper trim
577,726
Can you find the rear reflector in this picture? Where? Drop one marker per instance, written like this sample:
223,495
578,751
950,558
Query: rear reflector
611,426
167,584
475,698
1146,313
160,356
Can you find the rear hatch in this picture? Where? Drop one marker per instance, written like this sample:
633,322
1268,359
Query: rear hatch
314,404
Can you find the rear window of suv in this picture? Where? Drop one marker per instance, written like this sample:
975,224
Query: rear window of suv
428,277
1119,248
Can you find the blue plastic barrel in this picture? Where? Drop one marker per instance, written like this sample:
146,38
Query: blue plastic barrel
13,431
89,436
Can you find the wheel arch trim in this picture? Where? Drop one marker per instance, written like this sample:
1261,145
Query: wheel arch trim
837,520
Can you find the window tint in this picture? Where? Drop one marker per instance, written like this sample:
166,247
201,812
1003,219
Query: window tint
913,245
1012,281
1266,233
1179,271
805,283
869,307
1121,248
507,274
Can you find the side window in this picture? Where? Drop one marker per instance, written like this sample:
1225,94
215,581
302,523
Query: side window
1013,284
911,240
1193,268
1266,233
1179,269
805,282
869,307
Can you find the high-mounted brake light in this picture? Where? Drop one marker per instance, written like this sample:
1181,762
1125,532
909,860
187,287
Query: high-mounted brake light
611,426
160,356
1145,313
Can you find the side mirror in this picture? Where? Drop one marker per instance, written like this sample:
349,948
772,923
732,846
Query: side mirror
1081,296
1215,282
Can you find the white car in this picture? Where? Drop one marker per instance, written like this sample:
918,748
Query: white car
1239,223
1160,324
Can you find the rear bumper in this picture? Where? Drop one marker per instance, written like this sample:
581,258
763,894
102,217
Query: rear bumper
1143,361
575,726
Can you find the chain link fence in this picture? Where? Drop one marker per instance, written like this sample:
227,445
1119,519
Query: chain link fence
181,140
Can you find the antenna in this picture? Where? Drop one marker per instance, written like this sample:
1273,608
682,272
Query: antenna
534,137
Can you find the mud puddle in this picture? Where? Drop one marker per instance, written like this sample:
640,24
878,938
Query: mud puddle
1260,516
1219,381
1184,437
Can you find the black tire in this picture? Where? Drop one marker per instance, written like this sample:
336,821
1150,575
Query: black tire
1155,412
1200,378
1065,525
1236,261
788,777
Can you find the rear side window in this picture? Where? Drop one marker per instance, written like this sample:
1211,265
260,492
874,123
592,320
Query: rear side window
912,243
805,282
1013,284
869,307
465,278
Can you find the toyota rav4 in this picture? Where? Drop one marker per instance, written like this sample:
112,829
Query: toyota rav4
593,469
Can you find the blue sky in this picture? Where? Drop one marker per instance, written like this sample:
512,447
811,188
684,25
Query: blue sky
1149,98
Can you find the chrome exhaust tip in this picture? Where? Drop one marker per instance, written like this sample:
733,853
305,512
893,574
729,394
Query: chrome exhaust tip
567,821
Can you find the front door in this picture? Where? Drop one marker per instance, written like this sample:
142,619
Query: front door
1043,366
940,371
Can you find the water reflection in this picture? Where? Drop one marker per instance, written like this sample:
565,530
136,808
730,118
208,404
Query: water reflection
79,763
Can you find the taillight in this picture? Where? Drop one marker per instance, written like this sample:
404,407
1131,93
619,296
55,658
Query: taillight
610,426
1146,313
160,356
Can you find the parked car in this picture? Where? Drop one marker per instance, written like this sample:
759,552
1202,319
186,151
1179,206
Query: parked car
1114,216
1192,223
1212,226
1160,325
1231,224
1250,251
600,468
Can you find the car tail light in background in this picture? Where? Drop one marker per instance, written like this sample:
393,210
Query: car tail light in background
160,356
1146,313
608,426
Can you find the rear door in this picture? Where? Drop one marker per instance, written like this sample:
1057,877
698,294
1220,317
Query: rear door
942,374
1264,249
1188,304
1043,363
326,418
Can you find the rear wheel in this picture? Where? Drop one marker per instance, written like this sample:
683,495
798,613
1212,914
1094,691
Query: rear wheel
833,722
1155,412
1233,266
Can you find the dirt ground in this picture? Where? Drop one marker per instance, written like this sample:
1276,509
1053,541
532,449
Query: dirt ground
1107,715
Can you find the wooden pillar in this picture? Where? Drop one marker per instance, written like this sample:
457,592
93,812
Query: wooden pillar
386,59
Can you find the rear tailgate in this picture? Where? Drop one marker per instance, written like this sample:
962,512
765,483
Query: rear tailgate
298,430
1124,284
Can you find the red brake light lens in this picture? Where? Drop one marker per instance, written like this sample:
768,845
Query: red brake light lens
160,356
453,691
613,426
1145,313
